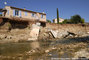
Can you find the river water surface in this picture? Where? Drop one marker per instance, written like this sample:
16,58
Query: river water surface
17,51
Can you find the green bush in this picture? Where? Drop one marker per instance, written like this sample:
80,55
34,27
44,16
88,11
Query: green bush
76,19
49,21
0,14
66,21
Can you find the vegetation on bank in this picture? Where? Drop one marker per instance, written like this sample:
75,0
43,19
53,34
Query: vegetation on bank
49,21
74,20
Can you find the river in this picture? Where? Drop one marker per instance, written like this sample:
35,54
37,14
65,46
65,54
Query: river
17,51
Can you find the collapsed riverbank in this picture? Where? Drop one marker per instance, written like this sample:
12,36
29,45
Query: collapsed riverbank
15,31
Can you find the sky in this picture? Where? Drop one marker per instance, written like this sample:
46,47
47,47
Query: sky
67,8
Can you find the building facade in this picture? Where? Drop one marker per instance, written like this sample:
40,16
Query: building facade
23,13
60,20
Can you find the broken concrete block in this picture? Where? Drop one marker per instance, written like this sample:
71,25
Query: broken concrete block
34,33
32,39
54,33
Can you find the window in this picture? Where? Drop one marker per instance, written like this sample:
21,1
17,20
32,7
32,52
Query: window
8,12
33,15
19,13
42,16
13,12
25,13
16,12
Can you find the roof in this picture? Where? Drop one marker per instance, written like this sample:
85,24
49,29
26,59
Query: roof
26,10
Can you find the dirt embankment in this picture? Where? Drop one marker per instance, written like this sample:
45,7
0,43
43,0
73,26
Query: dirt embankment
13,31
63,31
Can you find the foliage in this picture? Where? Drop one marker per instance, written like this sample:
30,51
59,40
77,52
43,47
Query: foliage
66,21
0,14
49,21
82,20
9,25
57,16
76,19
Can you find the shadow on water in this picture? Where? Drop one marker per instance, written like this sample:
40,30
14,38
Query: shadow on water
73,40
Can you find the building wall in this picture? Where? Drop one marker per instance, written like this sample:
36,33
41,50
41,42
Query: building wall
9,12
29,14
60,20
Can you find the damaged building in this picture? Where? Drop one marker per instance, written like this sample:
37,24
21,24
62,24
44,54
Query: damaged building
18,14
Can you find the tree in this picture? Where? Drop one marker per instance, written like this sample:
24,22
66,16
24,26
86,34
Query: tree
66,21
82,20
75,19
49,21
0,14
57,16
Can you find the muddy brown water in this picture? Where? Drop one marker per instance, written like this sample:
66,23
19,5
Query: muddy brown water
16,51
11,51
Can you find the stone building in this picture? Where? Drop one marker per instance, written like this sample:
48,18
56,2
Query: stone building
60,20
18,14
23,13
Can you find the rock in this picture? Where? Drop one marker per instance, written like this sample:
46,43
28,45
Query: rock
46,51
59,35
38,23
61,52
31,51
54,48
88,32
70,34
54,33
82,53
9,37
2,36
32,39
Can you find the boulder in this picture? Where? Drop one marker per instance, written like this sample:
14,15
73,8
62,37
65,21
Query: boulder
82,53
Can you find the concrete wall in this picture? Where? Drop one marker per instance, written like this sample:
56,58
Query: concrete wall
29,14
